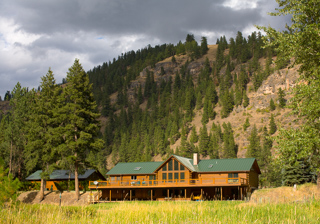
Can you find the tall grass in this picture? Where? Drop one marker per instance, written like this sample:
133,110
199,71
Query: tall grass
165,212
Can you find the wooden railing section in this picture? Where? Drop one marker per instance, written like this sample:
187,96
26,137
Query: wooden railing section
159,183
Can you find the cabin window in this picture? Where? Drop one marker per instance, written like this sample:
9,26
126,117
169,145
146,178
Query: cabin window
170,176
181,167
176,176
232,175
181,176
118,178
170,165
164,168
113,178
133,177
176,165
164,176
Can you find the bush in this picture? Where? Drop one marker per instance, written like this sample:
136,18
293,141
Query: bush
8,186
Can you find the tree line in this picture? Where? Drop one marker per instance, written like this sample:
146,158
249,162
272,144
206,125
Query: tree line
53,128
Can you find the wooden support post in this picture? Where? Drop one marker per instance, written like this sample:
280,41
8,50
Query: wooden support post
221,192
168,192
201,194
110,194
238,192
151,194
241,193
185,193
130,195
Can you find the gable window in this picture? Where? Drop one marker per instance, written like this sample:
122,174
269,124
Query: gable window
134,177
181,167
164,168
164,176
170,165
176,165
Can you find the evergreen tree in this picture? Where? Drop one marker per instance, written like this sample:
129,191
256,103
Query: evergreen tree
194,136
43,137
204,141
272,105
80,127
204,46
246,124
272,125
229,146
281,99
245,99
254,147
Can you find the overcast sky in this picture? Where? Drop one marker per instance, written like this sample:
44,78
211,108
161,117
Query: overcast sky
38,34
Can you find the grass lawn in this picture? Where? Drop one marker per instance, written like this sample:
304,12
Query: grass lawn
166,212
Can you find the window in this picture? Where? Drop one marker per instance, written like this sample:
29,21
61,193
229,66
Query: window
170,176
176,176
133,177
118,178
176,165
164,176
232,175
113,178
170,165
181,167
181,176
164,168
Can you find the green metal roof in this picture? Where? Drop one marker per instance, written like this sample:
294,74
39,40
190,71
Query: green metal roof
210,165
226,165
60,175
134,168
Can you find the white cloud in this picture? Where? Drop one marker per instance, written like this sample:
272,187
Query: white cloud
241,4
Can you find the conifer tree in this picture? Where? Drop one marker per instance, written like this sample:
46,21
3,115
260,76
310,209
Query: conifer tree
229,146
194,136
254,145
80,127
246,124
43,137
272,125
281,99
204,141
272,105
245,99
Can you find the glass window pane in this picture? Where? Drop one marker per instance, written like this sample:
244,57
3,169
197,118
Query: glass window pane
181,167
182,176
164,168
176,176
176,165
164,176
229,175
169,176
170,165
235,175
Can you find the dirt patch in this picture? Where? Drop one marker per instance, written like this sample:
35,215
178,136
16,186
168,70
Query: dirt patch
67,198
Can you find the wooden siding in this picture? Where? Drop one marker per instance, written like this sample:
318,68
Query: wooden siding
253,179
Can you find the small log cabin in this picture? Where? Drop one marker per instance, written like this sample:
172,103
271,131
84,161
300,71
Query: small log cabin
64,175
180,178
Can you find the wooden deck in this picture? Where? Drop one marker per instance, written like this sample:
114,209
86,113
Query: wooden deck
209,182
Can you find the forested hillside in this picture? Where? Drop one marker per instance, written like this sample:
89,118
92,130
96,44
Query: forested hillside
178,99
223,101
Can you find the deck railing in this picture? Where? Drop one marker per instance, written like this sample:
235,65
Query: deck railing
159,183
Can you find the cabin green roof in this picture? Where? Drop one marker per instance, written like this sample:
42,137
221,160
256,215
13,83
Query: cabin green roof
226,165
210,165
134,168
61,175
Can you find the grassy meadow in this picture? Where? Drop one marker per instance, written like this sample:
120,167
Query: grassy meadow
165,212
